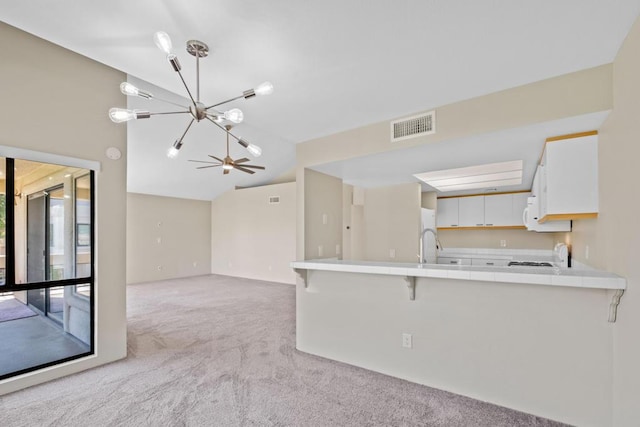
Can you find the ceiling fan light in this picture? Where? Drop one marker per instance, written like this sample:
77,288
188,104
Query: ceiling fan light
227,166
235,115
128,89
163,41
265,88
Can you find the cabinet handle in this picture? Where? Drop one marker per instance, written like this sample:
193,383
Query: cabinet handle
490,225
489,263
454,262
480,224
454,225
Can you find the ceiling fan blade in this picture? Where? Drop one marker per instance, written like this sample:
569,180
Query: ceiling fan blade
240,168
225,171
200,161
214,157
211,166
253,167
242,160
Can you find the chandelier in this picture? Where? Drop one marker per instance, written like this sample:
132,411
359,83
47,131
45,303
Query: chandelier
196,109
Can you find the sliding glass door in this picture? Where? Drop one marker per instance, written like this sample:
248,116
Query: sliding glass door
46,251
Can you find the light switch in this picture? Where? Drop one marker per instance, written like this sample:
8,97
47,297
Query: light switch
324,219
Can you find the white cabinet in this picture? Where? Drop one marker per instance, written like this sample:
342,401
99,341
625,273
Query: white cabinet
569,178
471,211
498,210
447,212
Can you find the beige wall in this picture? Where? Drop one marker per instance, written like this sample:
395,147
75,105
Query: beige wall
614,238
430,200
392,223
569,95
252,238
516,239
55,101
323,202
167,238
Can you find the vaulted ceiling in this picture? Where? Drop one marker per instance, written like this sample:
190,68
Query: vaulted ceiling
335,65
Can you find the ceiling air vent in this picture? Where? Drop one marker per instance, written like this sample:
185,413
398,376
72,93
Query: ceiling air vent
411,127
274,200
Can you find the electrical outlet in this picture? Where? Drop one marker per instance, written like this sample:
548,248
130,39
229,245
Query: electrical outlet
159,268
325,219
503,243
392,253
320,250
407,340
586,252
159,240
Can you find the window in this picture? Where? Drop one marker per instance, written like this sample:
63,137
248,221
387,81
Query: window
46,265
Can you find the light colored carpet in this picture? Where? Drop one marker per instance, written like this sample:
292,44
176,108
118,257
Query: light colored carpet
220,351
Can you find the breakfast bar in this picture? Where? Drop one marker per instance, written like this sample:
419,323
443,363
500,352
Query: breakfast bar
498,334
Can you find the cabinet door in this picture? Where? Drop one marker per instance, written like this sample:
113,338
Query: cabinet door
572,176
471,211
447,213
498,210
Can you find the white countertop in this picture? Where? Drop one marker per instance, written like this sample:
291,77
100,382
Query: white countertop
549,276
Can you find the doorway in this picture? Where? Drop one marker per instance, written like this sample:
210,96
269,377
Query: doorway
45,250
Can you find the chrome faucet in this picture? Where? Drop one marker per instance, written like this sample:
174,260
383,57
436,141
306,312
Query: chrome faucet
423,256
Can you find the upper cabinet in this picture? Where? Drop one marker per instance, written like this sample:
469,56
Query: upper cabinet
471,211
492,211
447,212
568,177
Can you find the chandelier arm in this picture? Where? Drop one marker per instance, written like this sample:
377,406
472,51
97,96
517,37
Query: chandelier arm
223,128
169,112
186,87
224,102
185,131
169,102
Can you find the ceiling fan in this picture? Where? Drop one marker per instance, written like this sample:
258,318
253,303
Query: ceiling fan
228,163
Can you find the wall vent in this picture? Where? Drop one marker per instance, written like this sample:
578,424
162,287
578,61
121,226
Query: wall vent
414,126
274,200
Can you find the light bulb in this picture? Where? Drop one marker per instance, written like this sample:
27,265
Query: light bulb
254,150
119,115
163,41
234,115
227,166
265,88
172,153
129,89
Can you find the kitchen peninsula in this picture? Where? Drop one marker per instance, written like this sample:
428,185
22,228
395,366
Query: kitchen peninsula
518,337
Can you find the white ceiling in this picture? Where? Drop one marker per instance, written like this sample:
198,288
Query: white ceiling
335,65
